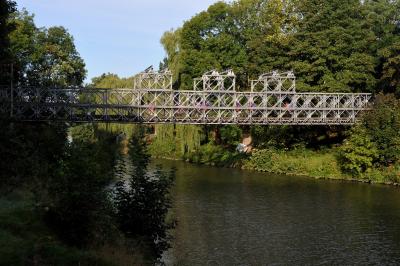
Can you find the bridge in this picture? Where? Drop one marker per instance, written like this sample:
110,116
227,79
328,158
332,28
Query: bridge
272,100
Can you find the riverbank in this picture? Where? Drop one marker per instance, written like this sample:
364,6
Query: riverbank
301,162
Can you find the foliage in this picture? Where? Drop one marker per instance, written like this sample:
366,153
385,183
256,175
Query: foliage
376,140
296,162
225,36
174,141
212,154
289,137
231,134
111,81
68,183
7,7
45,57
390,79
26,240
30,155
79,206
142,203
358,153
332,46
382,124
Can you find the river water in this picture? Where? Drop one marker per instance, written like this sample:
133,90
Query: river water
234,217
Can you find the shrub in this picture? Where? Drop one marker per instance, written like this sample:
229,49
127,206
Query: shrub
358,153
231,134
212,154
382,124
295,162
79,206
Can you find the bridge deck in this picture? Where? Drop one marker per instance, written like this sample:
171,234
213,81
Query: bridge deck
151,106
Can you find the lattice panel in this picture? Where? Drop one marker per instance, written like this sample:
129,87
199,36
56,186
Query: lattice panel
150,79
274,82
216,81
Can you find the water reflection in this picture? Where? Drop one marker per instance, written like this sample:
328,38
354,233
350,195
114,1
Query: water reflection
233,217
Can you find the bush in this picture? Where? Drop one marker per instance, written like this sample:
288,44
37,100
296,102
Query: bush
382,124
212,154
357,155
80,210
231,134
295,162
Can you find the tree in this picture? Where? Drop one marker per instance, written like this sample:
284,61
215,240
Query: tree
207,41
376,140
171,41
383,126
112,81
79,205
332,49
45,57
231,135
7,7
358,153
383,18
390,79
142,203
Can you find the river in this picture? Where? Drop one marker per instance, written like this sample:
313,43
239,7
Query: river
234,217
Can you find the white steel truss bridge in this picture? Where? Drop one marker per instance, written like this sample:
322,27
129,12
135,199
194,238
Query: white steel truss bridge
213,100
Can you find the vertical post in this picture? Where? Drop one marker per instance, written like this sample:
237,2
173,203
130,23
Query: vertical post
324,112
12,91
105,102
353,105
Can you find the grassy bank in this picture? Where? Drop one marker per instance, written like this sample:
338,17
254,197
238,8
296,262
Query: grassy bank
301,162
296,162
26,240
317,164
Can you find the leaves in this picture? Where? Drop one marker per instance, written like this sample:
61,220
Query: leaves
45,57
358,153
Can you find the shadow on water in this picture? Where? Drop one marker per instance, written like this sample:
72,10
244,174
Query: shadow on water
232,217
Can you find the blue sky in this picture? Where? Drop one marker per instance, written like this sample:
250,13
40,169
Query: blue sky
119,36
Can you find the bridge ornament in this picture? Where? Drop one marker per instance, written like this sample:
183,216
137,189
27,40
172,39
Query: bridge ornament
273,100
150,79
274,81
215,81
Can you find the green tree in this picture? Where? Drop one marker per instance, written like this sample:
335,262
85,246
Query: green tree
230,135
383,126
333,47
358,153
205,42
142,203
390,79
7,7
79,205
111,81
45,57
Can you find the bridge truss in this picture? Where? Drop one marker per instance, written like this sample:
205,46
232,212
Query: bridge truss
271,101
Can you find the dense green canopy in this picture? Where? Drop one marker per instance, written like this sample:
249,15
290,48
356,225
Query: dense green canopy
46,57
331,45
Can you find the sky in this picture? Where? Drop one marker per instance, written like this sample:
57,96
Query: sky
119,36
